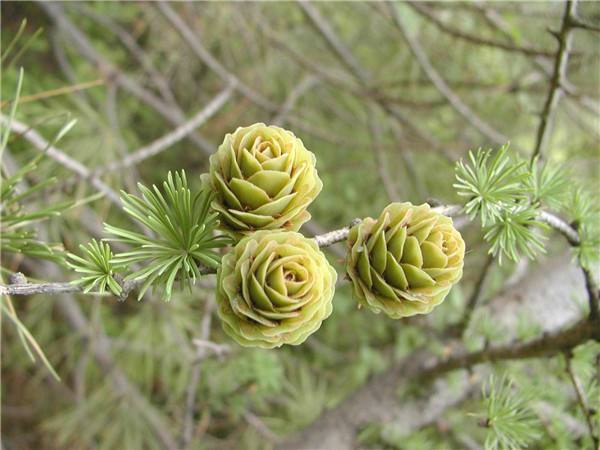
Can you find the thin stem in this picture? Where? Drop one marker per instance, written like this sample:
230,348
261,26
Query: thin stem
559,76
192,388
61,157
475,296
174,136
581,398
476,39
440,84
561,226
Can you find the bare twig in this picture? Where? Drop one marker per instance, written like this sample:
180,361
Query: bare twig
360,74
330,238
60,157
196,45
190,396
431,73
561,226
558,80
136,51
475,39
172,137
474,298
172,113
38,288
382,167
305,84
581,399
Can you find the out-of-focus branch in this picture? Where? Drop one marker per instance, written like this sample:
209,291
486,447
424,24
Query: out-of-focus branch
463,324
304,85
475,39
572,236
377,402
205,56
468,114
192,388
496,22
581,399
545,345
382,167
174,136
56,12
101,350
136,51
357,71
559,75
257,98
172,113
333,41
60,157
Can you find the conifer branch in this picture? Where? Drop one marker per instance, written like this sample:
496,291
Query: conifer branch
558,80
21,287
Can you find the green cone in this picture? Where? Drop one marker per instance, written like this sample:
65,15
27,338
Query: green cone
264,179
405,262
274,288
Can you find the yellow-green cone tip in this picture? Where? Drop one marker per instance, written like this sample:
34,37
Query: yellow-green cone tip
405,262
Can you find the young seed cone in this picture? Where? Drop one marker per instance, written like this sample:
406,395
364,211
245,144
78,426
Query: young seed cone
274,288
264,179
405,262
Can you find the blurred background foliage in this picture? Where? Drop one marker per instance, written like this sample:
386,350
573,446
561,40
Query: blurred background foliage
97,61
